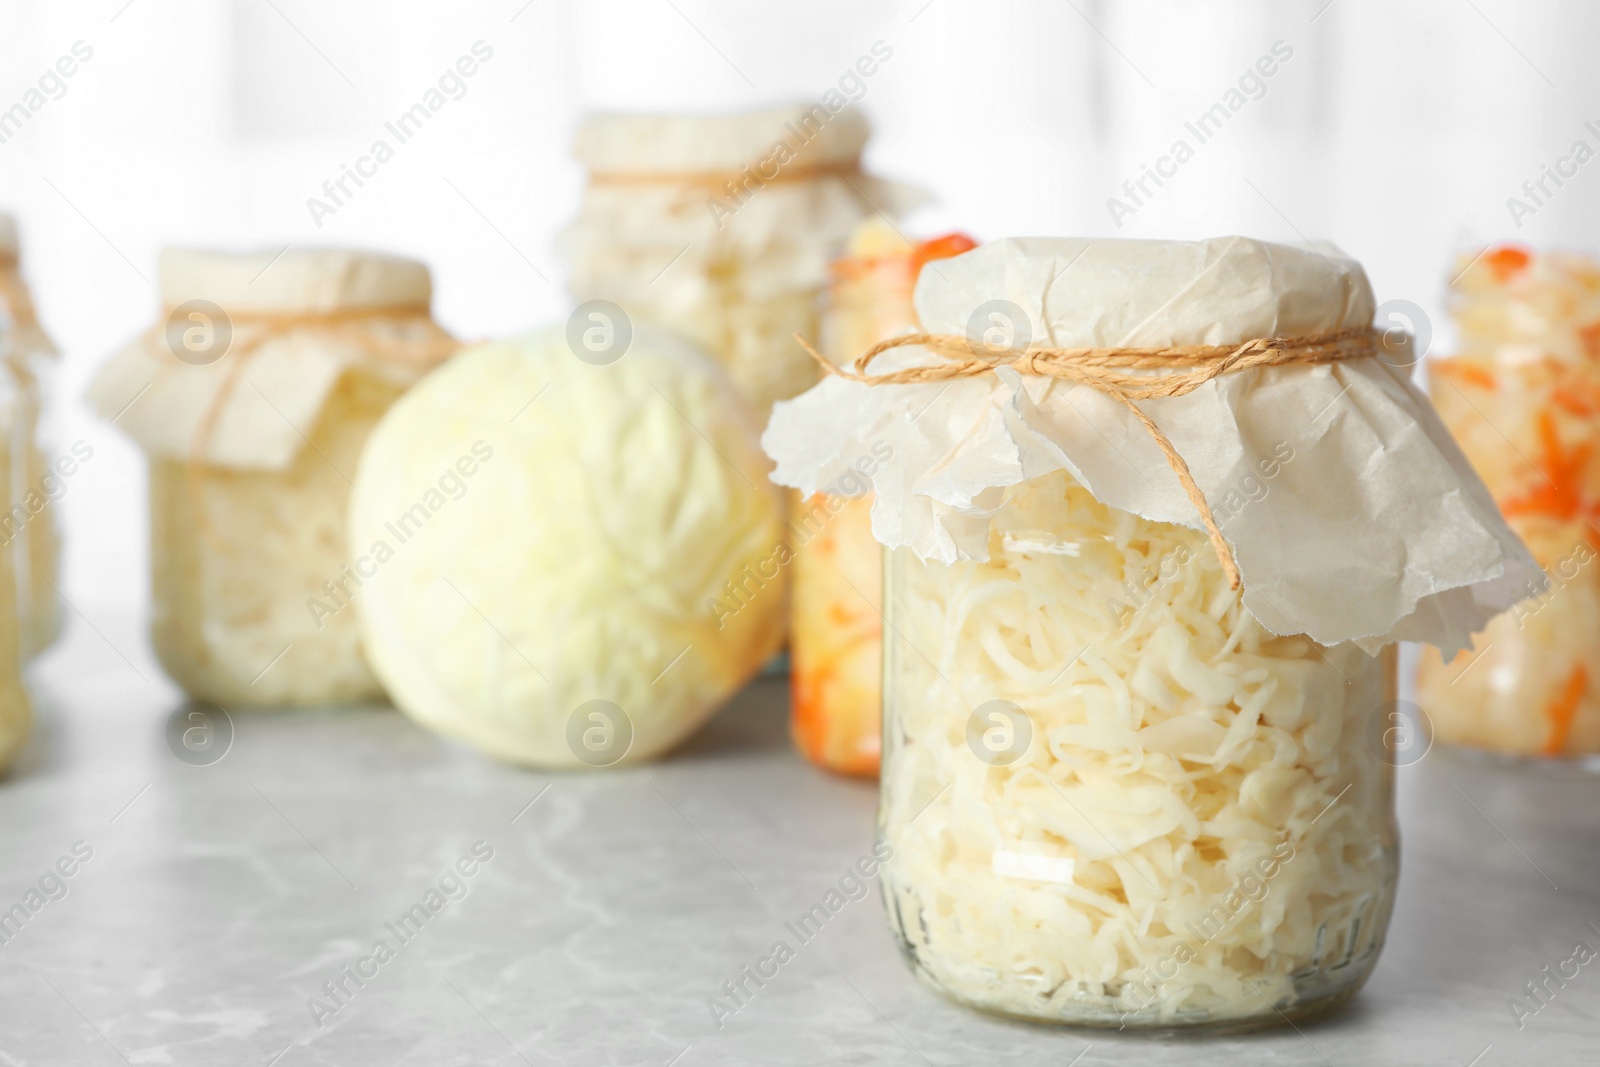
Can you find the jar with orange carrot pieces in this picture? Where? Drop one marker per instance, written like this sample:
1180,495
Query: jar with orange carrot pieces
836,623
1522,396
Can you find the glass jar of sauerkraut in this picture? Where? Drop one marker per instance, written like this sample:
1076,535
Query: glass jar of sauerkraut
1113,797
1156,515
253,399
30,529
721,228
1522,397
835,597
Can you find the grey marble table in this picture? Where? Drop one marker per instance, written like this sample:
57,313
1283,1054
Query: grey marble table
217,901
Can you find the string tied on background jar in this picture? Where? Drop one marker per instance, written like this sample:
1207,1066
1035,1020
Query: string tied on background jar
782,173
420,354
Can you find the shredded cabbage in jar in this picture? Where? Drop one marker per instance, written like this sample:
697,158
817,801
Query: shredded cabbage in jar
1198,825
250,577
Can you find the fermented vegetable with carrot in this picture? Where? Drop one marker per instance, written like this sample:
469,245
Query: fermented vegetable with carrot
1522,396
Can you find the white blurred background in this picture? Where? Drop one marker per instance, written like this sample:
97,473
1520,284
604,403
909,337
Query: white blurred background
1396,128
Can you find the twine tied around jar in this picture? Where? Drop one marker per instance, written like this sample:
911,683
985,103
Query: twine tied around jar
1172,370
422,353
785,173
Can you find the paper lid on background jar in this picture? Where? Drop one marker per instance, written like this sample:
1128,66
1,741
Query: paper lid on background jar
615,143
1371,527
248,348
296,280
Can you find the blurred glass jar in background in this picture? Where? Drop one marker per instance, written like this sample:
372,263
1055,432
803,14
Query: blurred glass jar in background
721,228
31,530
16,711
836,626
1522,397
253,399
